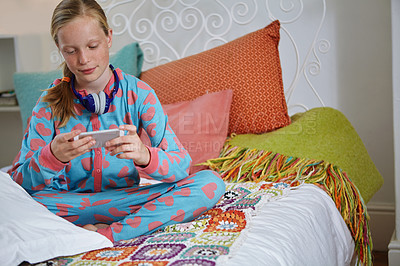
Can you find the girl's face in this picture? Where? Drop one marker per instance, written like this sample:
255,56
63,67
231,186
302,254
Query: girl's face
85,48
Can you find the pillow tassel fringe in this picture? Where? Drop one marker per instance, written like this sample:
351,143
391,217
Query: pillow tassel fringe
237,164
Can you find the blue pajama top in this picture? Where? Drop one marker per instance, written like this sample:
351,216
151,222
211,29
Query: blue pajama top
36,168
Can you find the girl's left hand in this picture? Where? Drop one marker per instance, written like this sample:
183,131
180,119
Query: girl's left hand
129,146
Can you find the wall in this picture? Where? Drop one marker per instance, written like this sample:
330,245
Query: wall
365,97
394,246
26,16
29,21
362,44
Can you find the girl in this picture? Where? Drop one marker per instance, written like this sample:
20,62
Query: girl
98,188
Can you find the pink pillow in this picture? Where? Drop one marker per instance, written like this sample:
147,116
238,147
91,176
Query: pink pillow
201,125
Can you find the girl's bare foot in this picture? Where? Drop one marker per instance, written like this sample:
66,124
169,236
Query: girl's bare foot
101,225
90,227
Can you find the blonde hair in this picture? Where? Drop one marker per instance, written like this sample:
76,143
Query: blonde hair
60,97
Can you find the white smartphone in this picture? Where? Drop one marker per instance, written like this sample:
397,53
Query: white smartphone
101,136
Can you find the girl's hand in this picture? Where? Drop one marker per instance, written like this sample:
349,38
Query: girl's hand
64,148
129,147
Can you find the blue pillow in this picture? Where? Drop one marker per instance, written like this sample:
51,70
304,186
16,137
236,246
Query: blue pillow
30,85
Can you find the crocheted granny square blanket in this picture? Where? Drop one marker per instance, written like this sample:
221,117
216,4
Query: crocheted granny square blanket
210,238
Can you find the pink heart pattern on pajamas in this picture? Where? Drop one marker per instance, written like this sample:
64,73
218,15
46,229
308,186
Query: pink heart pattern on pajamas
96,187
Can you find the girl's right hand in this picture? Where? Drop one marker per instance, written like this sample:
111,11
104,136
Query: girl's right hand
64,148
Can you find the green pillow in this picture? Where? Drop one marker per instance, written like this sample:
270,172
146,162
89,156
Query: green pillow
30,85
321,134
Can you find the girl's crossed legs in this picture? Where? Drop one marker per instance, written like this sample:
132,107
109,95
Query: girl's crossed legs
132,212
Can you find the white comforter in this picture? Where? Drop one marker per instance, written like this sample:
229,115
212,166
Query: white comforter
304,228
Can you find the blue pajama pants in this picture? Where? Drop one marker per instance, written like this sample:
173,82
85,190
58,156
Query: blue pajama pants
135,211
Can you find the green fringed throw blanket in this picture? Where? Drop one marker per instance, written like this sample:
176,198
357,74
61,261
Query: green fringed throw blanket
237,164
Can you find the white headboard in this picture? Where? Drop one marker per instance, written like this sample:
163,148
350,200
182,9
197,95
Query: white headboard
168,30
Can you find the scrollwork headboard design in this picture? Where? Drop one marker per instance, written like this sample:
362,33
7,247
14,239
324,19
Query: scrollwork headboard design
172,29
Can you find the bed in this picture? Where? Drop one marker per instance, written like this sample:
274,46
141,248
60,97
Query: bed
243,86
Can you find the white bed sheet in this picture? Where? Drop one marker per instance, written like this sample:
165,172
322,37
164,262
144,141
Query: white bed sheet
304,228
30,232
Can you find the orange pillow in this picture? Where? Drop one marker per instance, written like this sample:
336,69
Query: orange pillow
201,125
249,65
